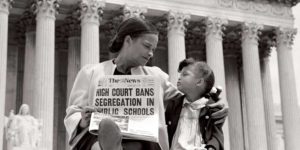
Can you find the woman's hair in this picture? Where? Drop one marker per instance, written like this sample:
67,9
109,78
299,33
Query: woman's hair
134,27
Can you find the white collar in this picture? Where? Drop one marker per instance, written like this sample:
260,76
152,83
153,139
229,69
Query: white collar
199,103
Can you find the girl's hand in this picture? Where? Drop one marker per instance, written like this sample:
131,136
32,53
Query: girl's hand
86,116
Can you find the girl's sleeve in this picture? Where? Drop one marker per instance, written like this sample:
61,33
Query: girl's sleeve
77,100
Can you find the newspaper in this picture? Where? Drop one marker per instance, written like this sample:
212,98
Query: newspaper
132,102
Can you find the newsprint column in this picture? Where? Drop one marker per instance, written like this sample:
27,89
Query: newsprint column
44,68
288,93
215,59
91,14
176,42
253,87
4,6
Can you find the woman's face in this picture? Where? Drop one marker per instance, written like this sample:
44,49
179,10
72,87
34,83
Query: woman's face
141,49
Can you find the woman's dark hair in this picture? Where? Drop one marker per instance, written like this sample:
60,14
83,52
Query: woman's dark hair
134,27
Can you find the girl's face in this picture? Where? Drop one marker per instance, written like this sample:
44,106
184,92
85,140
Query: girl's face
188,80
141,49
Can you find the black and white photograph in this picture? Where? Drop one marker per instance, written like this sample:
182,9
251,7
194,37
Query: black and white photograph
226,72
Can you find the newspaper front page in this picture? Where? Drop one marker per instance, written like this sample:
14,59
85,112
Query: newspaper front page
132,102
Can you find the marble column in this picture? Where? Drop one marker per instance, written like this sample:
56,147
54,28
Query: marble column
176,42
91,14
74,43
43,107
73,61
243,104
28,85
234,102
288,92
215,59
4,11
28,23
73,33
253,87
268,99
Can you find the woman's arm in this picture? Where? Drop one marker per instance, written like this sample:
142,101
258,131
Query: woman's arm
170,91
221,105
220,115
78,100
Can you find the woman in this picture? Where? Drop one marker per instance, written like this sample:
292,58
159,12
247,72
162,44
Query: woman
135,42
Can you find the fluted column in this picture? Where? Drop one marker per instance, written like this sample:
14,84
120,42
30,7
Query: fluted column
28,85
268,100
215,59
73,67
91,14
288,92
4,11
44,69
234,101
176,42
74,42
243,104
29,62
253,87
73,61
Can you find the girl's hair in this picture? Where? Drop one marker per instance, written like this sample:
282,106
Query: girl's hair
134,27
203,71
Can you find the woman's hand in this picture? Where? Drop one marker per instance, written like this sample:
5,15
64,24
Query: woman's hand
221,114
86,116
219,105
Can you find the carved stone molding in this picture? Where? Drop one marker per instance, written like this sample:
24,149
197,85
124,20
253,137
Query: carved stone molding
177,21
282,2
28,21
45,8
215,27
162,27
195,36
266,42
72,26
110,27
232,41
91,11
265,8
5,5
134,11
61,36
19,34
285,36
251,31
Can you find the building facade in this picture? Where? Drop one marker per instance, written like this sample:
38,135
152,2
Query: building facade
44,43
